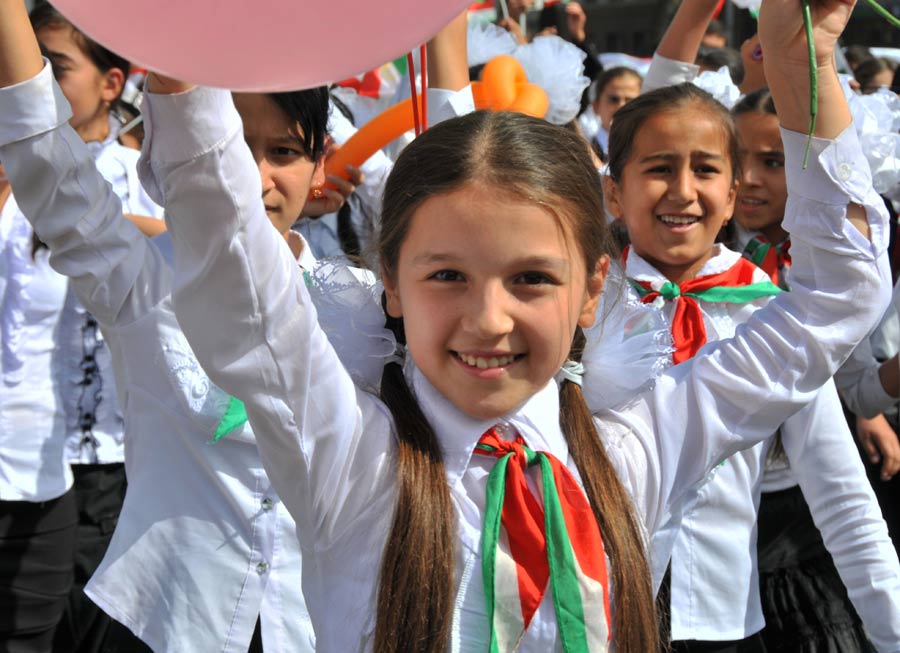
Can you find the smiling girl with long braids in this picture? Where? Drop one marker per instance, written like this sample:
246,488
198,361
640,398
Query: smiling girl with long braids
422,524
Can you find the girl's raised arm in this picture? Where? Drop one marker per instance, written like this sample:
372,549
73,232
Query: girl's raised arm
747,386
20,55
673,61
682,39
242,302
57,186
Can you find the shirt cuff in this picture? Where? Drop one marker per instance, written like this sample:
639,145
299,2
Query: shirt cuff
444,104
32,107
838,172
206,118
668,72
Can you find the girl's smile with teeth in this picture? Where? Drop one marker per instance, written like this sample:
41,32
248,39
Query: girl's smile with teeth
488,362
679,219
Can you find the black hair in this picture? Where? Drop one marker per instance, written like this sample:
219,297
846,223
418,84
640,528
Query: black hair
309,109
866,71
716,27
611,74
759,101
856,54
46,15
715,58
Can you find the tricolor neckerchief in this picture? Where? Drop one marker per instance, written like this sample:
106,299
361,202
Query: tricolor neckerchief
560,543
734,285
774,260
234,418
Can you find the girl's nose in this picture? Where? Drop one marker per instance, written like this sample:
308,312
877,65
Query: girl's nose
265,176
487,313
749,176
682,187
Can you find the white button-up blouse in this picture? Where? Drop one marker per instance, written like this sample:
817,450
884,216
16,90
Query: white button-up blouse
32,421
203,546
714,583
328,446
94,422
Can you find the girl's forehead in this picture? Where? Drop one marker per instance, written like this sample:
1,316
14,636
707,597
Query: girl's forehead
61,39
262,116
480,221
684,126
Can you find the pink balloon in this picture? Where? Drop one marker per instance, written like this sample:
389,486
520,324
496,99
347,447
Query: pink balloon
260,45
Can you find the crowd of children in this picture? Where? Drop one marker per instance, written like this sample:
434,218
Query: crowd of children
621,379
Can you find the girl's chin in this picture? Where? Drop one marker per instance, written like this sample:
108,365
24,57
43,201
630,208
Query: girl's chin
752,222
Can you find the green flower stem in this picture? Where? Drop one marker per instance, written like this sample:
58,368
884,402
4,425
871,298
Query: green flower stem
884,13
813,79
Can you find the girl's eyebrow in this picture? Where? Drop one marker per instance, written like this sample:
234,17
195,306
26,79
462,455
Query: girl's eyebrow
538,262
58,57
288,138
427,258
671,156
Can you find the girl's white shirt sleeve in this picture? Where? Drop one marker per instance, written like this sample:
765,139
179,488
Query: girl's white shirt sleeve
828,468
668,72
234,269
737,392
859,381
123,279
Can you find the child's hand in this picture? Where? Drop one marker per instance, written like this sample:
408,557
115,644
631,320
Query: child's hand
880,443
513,28
576,20
752,58
787,66
781,29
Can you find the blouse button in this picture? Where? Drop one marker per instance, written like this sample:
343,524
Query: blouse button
844,171
267,504
262,567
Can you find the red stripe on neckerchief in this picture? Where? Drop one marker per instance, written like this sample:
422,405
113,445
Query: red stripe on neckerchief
774,260
560,543
734,285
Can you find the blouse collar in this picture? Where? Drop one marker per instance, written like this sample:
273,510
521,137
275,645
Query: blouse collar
640,269
537,421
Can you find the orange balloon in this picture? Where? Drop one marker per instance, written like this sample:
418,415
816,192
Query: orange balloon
504,87
371,137
501,77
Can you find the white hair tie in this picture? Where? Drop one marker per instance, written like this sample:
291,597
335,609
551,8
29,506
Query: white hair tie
571,371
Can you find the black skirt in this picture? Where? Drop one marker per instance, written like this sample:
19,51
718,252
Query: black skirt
37,552
803,599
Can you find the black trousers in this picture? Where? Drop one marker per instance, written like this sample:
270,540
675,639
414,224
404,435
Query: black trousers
99,493
752,644
37,547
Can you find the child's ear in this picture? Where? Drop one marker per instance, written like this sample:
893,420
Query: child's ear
392,294
113,83
612,195
592,293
